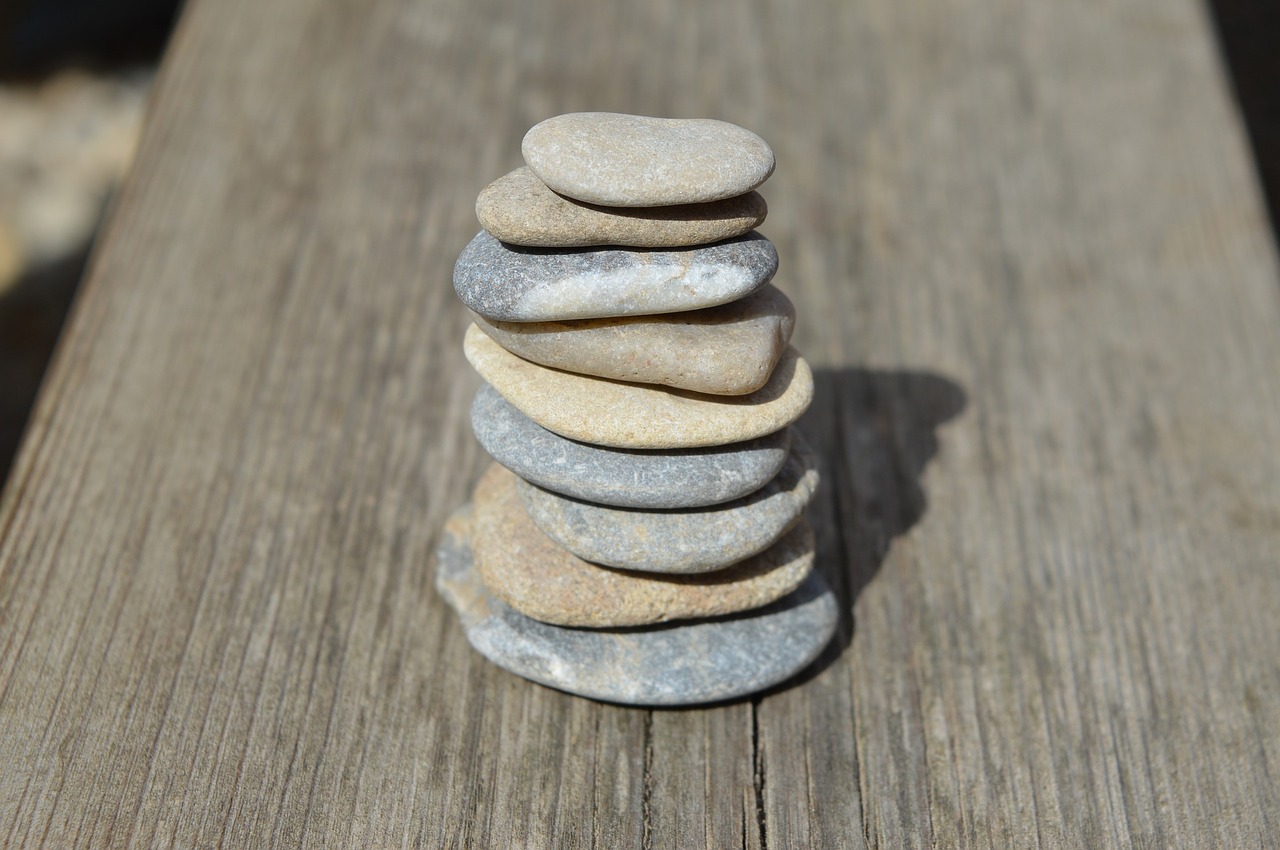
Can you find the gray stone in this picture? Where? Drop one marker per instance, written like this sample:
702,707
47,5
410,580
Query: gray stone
518,208
687,478
678,541
684,664
513,284
636,161
730,349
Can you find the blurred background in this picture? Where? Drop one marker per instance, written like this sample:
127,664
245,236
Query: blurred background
74,81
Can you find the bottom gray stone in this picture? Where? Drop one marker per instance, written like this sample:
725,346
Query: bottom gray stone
682,664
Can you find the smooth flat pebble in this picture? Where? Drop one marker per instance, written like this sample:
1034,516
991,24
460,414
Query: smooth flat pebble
687,478
636,161
640,416
726,350
519,209
678,541
534,575
686,663
512,284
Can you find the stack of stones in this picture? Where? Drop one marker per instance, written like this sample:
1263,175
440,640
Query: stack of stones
640,538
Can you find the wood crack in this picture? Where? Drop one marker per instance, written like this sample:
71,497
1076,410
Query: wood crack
646,800
758,774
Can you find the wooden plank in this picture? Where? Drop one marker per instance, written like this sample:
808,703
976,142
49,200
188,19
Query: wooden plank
1032,271
1049,207
701,779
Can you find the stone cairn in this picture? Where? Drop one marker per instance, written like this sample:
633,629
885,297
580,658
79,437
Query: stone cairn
640,537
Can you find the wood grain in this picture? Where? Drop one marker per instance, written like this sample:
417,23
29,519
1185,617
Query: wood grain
1033,273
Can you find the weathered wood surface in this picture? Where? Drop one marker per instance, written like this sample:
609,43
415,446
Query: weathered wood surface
1031,265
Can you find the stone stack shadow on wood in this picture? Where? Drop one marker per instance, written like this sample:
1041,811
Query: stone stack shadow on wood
876,430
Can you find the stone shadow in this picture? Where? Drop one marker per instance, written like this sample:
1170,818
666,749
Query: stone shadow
875,432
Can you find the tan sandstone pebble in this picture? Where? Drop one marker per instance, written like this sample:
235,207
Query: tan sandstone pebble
635,161
519,209
726,350
530,572
638,416
681,663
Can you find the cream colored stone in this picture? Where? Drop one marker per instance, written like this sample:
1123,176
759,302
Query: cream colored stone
726,350
638,416
636,161
532,573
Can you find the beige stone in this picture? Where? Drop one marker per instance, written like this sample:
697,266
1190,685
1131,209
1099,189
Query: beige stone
636,161
725,350
639,416
519,209
532,573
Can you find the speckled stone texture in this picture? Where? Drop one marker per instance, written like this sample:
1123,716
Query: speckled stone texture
636,161
687,478
519,209
640,416
726,350
513,284
534,575
685,663
678,541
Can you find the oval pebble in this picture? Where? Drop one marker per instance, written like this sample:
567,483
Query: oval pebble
730,349
699,540
533,574
520,209
636,161
688,478
640,416
512,284
686,663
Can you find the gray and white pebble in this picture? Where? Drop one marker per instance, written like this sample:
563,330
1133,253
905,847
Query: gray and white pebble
514,284
675,478
636,161
678,541
683,664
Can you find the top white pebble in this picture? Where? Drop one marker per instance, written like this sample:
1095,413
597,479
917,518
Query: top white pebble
633,161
